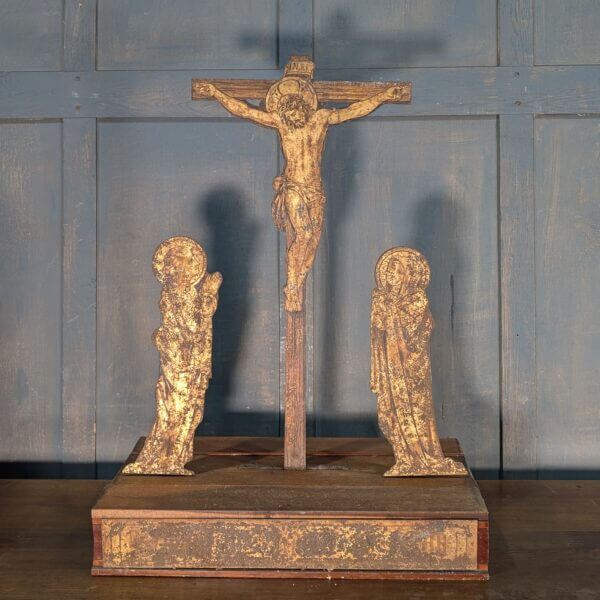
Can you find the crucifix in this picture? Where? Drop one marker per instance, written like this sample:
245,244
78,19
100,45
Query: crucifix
290,105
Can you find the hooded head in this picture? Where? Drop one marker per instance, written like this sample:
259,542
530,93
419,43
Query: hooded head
402,267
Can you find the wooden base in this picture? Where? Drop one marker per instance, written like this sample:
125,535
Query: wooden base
243,515
294,446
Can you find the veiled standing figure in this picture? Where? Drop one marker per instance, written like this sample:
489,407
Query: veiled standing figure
188,302
401,325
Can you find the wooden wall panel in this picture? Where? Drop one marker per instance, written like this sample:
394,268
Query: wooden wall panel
210,180
429,184
517,296
404,33
515,32
518,396
473,91
187,34
79,35
31,35
79,298
294,28
514,249
30,295
567,32
567,251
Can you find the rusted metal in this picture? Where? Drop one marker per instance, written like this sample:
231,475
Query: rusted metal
401,325
184,340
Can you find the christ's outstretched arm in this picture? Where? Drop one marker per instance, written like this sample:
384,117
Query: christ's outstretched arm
364,107
239,108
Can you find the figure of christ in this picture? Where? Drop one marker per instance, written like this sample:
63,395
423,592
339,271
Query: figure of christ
292,109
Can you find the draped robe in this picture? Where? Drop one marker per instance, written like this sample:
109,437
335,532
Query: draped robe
401,326
184,343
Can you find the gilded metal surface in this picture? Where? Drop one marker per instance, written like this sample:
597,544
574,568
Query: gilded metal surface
292,109
184,340
418,544
401,325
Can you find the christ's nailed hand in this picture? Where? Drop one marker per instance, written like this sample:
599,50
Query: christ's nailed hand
394,92
207,89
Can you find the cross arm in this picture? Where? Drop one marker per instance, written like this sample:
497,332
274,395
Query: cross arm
327,91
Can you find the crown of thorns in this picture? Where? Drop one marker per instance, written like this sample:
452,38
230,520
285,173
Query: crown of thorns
293,101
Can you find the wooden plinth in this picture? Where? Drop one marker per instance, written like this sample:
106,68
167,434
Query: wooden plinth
294,454
243,515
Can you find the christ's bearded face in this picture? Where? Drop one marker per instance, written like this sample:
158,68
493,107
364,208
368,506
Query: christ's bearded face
294,111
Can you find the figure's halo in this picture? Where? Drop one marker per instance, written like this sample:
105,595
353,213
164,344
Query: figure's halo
410,258
289,86
185,245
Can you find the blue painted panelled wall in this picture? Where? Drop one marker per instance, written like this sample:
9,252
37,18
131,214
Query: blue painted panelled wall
492,171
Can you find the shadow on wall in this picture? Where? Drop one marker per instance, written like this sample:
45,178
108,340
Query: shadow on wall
338,174
341,166
460,407
231,246
374,48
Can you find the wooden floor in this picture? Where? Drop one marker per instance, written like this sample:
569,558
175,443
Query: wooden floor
545,543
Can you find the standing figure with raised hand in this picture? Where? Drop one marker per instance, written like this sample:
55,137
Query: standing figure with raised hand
188,302
401,325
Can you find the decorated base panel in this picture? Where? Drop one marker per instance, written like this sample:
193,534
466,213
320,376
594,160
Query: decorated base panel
242,515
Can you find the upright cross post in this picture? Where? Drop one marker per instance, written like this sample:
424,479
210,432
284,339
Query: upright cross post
294,442
294,445
292,108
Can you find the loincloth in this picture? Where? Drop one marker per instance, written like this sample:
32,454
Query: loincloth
311,196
